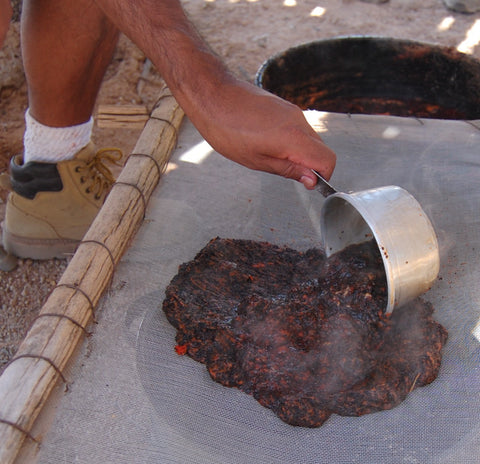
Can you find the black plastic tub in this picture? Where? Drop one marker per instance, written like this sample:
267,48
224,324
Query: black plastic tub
376,75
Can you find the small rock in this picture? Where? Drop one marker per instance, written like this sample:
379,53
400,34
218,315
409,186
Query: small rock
7,262
463,6
261,40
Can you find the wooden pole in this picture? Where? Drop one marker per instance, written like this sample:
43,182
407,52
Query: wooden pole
30,377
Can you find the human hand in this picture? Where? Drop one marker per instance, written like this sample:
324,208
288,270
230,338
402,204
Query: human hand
5,17
264,132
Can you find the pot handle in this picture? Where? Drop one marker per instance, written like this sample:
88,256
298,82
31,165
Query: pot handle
323,186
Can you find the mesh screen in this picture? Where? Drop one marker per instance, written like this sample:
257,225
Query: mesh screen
134,400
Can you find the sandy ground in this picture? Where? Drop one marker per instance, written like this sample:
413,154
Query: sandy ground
244,33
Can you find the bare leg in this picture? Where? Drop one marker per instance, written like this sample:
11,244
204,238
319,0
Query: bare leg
67,46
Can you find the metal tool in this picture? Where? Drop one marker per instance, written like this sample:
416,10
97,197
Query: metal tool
403,232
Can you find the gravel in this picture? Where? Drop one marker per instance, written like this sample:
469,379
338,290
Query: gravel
23,292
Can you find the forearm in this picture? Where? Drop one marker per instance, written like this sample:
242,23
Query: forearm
162,31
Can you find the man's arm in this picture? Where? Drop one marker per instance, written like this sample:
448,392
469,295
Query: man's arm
241,121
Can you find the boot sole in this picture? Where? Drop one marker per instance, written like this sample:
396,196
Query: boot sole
23,247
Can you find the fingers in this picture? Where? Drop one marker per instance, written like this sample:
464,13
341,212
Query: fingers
303,153
308,182
301,149
299,165
322,160
293,158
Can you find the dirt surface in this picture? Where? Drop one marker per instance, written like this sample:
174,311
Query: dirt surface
244,33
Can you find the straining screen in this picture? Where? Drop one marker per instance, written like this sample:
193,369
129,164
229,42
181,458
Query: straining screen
134,400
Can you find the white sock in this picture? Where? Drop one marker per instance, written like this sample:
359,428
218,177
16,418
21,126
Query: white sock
53,144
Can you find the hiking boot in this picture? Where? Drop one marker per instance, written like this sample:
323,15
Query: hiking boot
51,206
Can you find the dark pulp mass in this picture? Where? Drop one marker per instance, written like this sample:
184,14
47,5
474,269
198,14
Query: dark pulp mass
305,335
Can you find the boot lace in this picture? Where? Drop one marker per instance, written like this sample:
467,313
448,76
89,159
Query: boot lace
96,174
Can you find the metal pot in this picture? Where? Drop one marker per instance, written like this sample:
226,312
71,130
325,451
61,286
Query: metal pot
403,232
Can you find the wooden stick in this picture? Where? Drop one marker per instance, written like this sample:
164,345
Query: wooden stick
28,380
122,116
